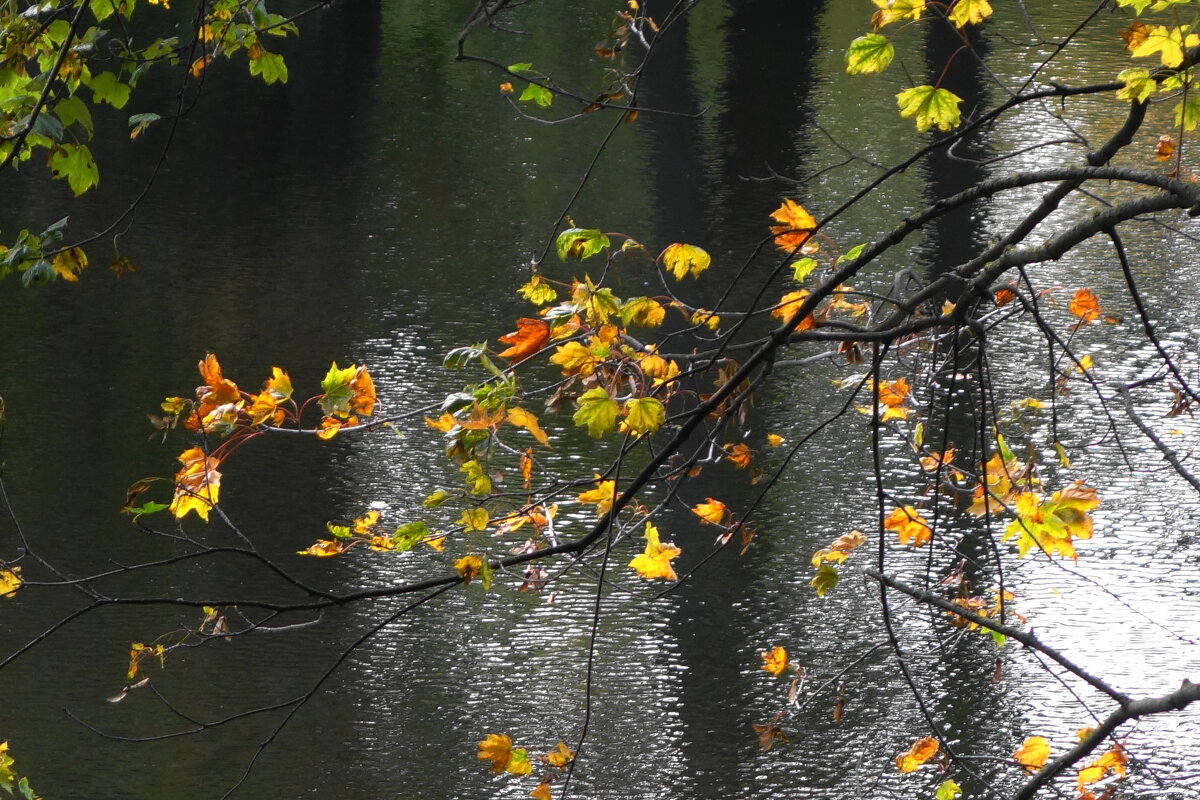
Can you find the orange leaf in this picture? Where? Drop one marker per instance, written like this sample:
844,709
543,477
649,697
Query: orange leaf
789,304
1085,305
1033,753
739,454
909,526
795,229
711,511
921,751
196,485
775,661
497,750
530,336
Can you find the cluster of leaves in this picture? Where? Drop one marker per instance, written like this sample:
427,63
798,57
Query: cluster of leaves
497,749
222,410
13,784
61,61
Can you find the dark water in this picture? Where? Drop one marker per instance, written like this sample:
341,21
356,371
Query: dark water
380,209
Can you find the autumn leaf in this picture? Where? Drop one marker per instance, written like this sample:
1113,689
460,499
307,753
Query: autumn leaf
1165,147
947,790
468,568
795,229
69,263
1052,525
774,440
655,560
769,734
323,548
542,791
643,415
894,10
643,311
711,511
537,291
597,411
931,106
739,455
10,581
580,243
527,420
1169,43
869,54
909,526
775,660
602,497
197,485
1085,305
825,581
560,756
1113,761
497,750
1138,85
346,391
530,336
970,12
789,304
685,259
363,388
1135,35
921,751
1033,753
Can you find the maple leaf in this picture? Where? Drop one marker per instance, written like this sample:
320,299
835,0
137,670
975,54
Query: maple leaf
69,263
1085,305
527,420
774,440
921,751
1113,761
496,749
970,12
323,548
197,485
655,561
868,54
825,580
909,526
685,259
947,790
795,229
1052,525
542,791
657,368
560,756
1138,85
1168,42
363,388
216,391
1135,35
1032,754
577,359
1165,147
537,291
10,581
579,243
768,734
597,411
469,567
530,336
643,415
711,511
789,304
931,106
336,385
894,10
775,660
739,454
643,311
603,496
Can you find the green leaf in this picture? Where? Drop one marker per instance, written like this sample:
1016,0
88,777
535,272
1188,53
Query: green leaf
409,535
597,411
149,508
1002,446
644,415
1138,85
75,163
485,580
868,54
107,89
478,481
538,94
72,110
459,357
998,638
101,9
270,66
852,253
948,790
931,106
802,268
435,499
580,243
524,66
474,519
1187,113
825,579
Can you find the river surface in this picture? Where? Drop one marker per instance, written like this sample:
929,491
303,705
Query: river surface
381,208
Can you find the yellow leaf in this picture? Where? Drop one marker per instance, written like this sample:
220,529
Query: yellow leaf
322,548
197,485
468,567
560,756
644,415
774,440
496,749
894,10
909,526
789,304
702,316
1033,753
524,419
795,229
542,791
330,426
1168,42
710,511
931,106
970,12
474,519
685,259
577,359
775,660
597,411
518,762
825,580
655,560
603,496
10,581
921,751
69,263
